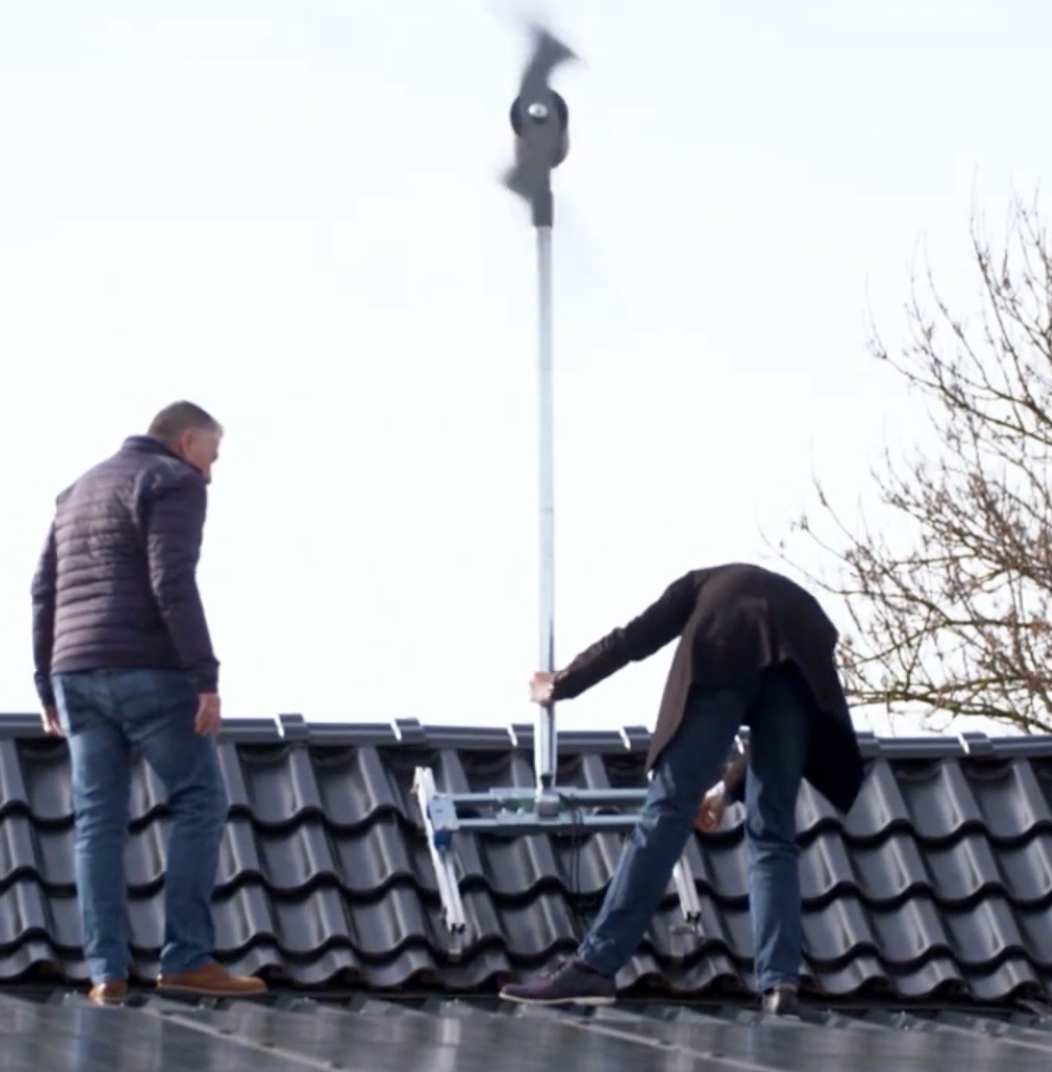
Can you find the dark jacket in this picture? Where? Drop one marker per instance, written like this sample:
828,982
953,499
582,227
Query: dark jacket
116,585
733,622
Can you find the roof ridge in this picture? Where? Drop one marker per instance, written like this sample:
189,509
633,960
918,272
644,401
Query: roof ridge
412,733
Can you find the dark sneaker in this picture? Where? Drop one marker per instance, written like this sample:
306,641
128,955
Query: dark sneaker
782,1001
572,983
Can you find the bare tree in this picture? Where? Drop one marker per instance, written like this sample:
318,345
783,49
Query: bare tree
955,619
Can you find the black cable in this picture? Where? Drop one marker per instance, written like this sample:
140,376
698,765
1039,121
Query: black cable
578,836
578,859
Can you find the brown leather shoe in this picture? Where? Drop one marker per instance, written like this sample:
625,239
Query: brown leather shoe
213,980
114,992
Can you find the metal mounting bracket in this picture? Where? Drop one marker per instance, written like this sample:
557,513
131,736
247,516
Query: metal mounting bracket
512,812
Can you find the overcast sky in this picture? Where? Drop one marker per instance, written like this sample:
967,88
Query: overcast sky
290,214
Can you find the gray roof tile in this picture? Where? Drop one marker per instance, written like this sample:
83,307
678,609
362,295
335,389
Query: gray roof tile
939,882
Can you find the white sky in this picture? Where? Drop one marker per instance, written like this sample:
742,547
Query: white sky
290,213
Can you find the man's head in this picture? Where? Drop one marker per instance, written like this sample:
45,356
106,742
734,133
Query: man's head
191,433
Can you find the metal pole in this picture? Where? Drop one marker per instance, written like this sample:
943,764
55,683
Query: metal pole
540,121
545,749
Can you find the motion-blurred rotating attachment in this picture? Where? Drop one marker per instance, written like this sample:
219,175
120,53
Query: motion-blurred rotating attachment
541,127
540,120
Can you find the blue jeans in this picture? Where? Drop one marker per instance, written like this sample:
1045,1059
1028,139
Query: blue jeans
105,714
778,719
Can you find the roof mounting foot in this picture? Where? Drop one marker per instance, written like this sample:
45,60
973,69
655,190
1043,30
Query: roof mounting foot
440,846
689,905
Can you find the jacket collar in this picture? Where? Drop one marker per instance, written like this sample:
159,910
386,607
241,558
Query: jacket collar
145,444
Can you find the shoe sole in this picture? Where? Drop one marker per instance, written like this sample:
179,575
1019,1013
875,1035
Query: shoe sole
587,1003
793,1010
203,992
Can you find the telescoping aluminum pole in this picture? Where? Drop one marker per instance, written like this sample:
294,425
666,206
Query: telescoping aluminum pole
545,740
540,121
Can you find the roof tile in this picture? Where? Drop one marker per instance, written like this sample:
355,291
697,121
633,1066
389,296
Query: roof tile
939,881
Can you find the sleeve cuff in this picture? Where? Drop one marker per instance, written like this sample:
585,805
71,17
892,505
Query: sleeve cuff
205,680
45,692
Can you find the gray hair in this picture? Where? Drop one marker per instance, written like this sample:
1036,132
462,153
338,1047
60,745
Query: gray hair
181,417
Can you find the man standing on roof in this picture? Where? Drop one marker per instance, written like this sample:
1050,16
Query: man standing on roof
754,649
124,661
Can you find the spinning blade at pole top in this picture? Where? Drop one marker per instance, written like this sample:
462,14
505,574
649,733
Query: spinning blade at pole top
540,121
